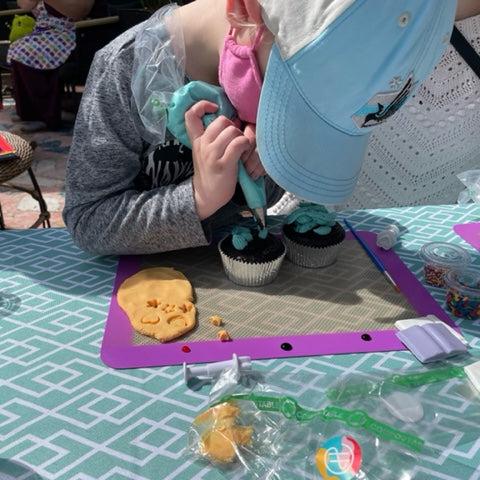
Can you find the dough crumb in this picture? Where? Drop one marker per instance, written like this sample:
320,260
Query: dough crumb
216,320
223,336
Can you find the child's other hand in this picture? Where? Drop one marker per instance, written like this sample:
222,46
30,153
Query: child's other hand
250,159
216,151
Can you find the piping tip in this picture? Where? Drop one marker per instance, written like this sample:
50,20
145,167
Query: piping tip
260,215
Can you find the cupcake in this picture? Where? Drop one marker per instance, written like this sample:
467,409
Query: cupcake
250,257
312,236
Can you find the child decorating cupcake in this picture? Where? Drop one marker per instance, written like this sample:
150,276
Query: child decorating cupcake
313,236
287,68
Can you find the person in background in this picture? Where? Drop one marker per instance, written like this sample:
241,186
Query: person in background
414,158
36,59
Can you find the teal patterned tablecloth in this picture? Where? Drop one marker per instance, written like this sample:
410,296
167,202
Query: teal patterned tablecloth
65,415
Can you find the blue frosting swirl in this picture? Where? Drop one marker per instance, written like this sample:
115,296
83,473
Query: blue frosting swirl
309,216
242,236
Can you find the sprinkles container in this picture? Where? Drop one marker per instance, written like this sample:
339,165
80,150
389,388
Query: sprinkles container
463,294
441,258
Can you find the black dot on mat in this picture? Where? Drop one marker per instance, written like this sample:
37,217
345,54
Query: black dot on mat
366,337
286,346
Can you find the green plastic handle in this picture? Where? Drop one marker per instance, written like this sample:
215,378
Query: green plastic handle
357,419
409,380
414,380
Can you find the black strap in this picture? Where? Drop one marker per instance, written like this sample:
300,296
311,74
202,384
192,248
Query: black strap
467,52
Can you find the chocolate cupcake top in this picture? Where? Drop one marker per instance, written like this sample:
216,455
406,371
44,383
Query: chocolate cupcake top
252,246
313,225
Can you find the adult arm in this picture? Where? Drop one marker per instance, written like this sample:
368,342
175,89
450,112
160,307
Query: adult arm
27,4
103,210
75,9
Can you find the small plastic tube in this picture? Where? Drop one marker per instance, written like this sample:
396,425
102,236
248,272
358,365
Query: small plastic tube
387,238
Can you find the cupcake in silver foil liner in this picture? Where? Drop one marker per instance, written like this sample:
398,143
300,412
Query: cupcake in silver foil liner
311,257
313,236
250,271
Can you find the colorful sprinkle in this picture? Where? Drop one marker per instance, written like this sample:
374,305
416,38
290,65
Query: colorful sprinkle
435,275
463,294
462,305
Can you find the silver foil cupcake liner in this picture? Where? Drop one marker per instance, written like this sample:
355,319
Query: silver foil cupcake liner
311,257
251,274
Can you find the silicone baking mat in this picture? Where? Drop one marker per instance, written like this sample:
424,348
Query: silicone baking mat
470,232
345,308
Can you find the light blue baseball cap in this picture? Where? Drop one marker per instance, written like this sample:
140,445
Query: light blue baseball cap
339,68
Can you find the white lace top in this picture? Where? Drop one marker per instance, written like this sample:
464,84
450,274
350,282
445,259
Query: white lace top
413,159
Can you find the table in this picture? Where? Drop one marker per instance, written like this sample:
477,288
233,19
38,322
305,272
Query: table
68,416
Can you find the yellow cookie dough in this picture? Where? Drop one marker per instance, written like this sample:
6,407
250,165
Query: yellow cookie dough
158,302
222,435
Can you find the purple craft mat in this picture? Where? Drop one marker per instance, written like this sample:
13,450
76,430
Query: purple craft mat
470,232
118,351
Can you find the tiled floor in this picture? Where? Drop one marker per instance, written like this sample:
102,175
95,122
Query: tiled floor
19,209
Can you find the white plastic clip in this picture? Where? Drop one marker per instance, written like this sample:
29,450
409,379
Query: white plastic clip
403,324
209,371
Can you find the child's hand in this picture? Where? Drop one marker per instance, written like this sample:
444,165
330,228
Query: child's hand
250,159
216,151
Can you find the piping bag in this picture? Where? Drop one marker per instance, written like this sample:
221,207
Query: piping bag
184,98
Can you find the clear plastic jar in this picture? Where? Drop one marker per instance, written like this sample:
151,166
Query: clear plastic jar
463,293
441,258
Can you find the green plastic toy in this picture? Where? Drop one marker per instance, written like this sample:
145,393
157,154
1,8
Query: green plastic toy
357,419
346,393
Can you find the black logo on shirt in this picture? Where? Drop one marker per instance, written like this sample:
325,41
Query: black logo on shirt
169,164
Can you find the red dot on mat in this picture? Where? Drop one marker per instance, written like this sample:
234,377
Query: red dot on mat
186,349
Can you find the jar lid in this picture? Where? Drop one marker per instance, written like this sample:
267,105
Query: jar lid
445,254
467,282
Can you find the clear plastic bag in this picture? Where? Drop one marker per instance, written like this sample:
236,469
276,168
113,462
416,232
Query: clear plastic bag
348,430
471,180
236,436
422,403
158,71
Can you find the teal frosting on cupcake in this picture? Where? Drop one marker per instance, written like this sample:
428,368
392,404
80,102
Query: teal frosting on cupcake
242,236
311,217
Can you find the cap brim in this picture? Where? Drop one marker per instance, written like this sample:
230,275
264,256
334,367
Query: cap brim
300,151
